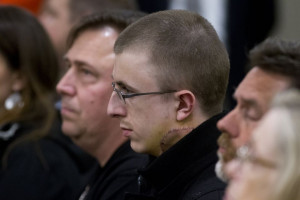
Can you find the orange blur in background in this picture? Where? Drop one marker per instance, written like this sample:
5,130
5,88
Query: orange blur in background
31,5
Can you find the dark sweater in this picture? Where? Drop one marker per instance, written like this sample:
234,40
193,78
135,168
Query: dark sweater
117,177
38,170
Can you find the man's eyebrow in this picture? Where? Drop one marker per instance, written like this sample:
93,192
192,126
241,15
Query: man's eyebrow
250,102
125,85
77,62
121,84
254,104
81,63
246,100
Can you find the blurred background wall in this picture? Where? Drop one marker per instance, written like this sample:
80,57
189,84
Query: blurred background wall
241,24
288,19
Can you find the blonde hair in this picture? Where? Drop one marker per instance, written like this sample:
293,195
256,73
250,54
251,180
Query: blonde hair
288,142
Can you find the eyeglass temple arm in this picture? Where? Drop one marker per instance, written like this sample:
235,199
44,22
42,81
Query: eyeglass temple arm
145,93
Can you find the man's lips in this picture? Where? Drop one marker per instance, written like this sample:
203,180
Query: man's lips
226,148
223,142
67,111
222,150
126,131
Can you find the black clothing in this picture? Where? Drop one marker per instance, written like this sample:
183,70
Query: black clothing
186,170
84,162
37,170
152,6
117,177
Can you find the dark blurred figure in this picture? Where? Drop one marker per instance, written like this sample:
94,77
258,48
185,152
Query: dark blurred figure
33,165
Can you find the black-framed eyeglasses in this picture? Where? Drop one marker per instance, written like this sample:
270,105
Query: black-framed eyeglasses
245,154
123,96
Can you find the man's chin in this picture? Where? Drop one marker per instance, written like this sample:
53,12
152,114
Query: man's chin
70,131
220,172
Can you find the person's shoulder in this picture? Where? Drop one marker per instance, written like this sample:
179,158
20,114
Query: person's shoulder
43,152
38,167
56,153
208,189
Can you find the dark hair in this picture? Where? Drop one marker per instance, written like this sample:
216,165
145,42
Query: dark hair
278,56
119,19
79,8
185,49
27,49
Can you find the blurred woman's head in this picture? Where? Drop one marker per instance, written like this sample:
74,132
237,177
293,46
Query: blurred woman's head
268,167
28,65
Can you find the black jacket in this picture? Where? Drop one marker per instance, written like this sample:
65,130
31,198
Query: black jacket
186,170
37,170
117,177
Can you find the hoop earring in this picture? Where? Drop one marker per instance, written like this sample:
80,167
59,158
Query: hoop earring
8,131
13,100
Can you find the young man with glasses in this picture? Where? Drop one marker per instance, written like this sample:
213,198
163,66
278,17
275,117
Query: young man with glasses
169,82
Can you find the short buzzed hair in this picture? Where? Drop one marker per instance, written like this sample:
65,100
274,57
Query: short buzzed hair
278,56
186,51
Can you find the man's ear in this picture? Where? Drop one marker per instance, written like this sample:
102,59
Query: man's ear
18,81
186,103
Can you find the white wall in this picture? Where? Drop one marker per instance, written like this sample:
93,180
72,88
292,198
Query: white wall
288,19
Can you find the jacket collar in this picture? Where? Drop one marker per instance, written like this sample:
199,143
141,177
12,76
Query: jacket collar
193,148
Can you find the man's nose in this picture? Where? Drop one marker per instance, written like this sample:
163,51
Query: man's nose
116,108
65,86
229,124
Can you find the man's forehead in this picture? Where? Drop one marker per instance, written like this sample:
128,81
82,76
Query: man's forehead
247,91
132,62
135,70
260,86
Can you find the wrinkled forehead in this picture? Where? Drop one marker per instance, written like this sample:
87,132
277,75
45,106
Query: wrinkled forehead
260,87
